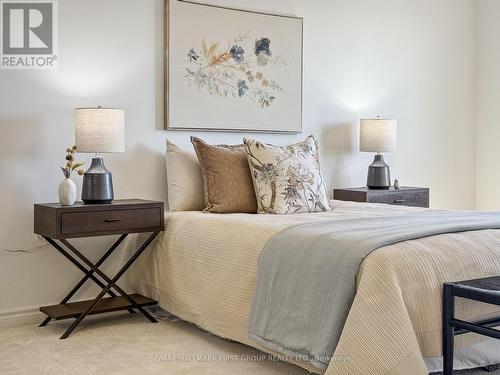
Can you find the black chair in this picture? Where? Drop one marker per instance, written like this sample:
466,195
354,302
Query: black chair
484,290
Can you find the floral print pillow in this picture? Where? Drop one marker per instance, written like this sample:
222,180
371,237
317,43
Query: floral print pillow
287,179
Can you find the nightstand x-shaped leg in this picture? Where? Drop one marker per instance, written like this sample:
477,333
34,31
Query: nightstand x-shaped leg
88,274
94,268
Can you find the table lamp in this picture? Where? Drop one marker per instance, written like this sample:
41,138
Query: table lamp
378,135
99,130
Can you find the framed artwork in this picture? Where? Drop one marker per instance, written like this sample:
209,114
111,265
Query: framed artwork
232,70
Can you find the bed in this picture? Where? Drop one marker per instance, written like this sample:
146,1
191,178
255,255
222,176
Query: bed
203,269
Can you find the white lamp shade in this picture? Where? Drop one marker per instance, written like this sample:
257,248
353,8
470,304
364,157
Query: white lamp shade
377,135
100,130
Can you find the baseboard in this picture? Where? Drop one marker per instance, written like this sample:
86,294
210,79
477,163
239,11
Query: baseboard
20,317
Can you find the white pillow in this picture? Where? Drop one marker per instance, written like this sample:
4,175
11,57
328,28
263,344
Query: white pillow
184,180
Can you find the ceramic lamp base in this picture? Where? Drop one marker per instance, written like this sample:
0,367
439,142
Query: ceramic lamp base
379,175
97,187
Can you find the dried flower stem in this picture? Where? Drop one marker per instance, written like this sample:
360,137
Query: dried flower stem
71,164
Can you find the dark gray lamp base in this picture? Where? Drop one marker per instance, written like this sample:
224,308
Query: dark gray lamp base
379,176
97,184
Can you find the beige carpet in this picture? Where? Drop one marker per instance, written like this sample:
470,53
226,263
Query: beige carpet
129,344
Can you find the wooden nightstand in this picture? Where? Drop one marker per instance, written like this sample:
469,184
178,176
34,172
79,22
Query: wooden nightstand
406,196
58,223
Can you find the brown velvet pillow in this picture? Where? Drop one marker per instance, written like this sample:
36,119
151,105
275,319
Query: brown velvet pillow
226,175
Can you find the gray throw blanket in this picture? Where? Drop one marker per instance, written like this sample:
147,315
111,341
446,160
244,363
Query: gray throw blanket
306,275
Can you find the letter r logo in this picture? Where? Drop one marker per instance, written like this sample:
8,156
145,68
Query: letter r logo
27,27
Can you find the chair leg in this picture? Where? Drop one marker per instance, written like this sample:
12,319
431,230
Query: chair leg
448,329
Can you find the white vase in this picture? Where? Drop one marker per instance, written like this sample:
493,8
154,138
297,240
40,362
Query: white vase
67,192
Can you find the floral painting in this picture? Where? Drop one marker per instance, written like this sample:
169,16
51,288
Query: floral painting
287,179
232,70
235,71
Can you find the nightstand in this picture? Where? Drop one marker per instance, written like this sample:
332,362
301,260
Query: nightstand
57,223
406,196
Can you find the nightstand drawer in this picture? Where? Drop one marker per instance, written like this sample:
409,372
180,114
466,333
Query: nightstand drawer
88,220
404,198
110,220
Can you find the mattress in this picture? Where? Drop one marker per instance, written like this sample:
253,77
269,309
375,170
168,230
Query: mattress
202,269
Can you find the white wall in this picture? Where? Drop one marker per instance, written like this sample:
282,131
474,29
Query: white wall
410,60
488,106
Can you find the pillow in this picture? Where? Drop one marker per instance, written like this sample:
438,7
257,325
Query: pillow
184,180
287,179
226,178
